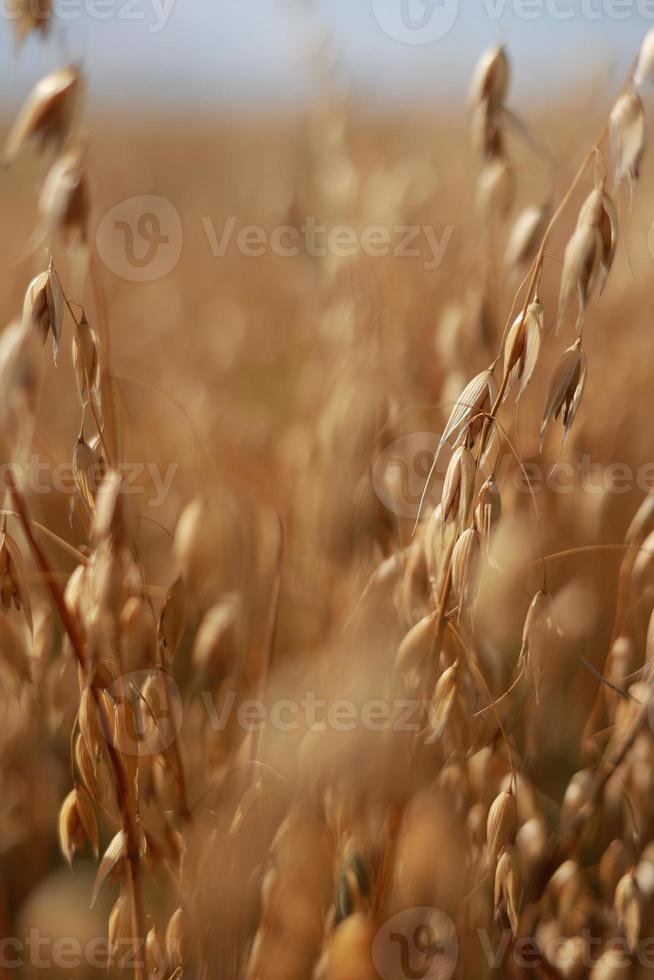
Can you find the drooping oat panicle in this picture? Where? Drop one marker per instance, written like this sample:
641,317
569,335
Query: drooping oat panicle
43,307
509,885
522,346
48,113
566,389
525,235
627,127
64,203
491,77
77,824
29,16
644,70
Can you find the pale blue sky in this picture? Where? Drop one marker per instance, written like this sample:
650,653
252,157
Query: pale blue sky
238,52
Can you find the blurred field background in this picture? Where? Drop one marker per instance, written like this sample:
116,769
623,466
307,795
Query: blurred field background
276,383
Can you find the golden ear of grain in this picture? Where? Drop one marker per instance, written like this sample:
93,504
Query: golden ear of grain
627,130
416,646
109,517
119,931
48,113
644,70
600,214
566,389
490,81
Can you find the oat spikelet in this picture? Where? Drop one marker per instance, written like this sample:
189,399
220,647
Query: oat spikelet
509,885
13,580
501,825
466,559
443,701
112,858
86,364
525,235
478,396
490,81
600,214
644,71
577,277
29,16
64,200
48,114
566,389
86,473
175,940
628,902
627,127
43,307
459,487
155,952
77,824
522,346
538,631
488,511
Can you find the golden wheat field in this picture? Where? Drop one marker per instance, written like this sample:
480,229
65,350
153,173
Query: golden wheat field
327,547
